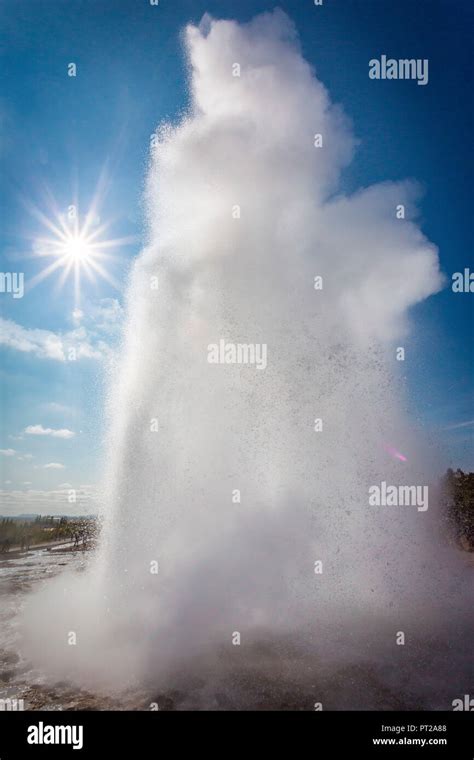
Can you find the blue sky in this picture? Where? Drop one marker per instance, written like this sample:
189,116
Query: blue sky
60,135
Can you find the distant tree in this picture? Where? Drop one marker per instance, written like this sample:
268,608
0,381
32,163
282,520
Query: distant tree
458,502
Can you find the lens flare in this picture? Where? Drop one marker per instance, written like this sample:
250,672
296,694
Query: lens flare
394,453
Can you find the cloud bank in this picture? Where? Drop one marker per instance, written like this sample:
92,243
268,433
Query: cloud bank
91,339
56,501
40,430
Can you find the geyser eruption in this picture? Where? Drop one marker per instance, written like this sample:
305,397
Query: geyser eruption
237,489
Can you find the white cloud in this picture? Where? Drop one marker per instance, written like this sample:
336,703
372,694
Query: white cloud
7,452
54,466
40,430
42,343
468,423
106,316
89,340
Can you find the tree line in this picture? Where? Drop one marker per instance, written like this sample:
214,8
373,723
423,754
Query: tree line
24,534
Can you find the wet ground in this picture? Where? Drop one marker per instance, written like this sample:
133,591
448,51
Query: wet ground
428,676
20,573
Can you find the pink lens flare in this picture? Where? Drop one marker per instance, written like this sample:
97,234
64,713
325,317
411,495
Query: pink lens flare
394,453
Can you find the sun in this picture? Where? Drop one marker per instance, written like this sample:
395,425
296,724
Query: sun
77,250
78,247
